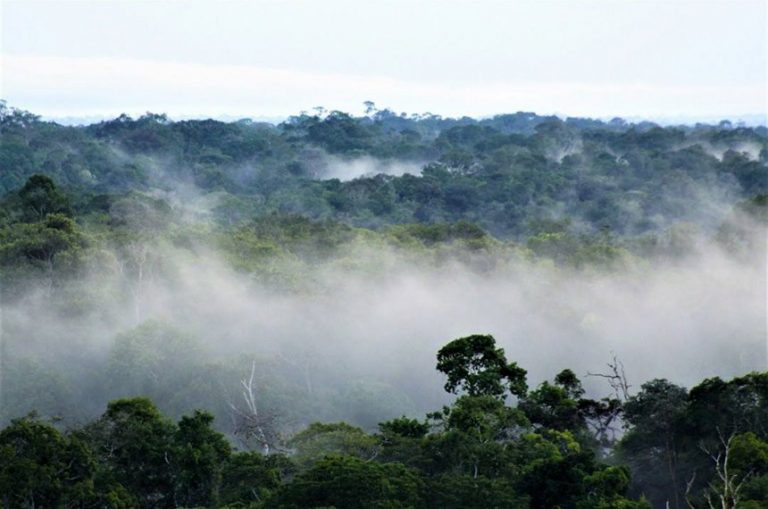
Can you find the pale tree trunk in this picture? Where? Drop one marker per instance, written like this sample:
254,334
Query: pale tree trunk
251,423
725,495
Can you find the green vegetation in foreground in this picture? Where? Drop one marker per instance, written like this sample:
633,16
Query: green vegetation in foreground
549,447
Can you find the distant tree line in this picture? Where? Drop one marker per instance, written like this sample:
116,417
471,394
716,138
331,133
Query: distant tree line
513,175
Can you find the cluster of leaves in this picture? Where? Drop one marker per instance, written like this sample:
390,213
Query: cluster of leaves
507,173
480,452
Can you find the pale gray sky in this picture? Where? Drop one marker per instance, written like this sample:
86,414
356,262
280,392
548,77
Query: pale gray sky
647,58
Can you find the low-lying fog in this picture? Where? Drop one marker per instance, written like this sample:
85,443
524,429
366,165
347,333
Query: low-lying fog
349,169
376,317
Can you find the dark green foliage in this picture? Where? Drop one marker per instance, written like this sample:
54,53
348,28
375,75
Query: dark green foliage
201,454
552,407
350,483
404,427
474,364
478,452
44,252
40,467
431,234
502,174
134,443
319,440
655,414
672,429
338,132
452,491
39,197
249,477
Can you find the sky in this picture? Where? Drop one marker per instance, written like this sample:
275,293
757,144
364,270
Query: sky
702,59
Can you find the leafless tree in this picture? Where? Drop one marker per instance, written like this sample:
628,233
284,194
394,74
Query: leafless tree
249,423
617,378
605,418
724,491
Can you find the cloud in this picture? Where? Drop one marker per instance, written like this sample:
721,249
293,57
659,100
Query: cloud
63,86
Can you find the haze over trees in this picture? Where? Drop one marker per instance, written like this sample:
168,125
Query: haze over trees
207,314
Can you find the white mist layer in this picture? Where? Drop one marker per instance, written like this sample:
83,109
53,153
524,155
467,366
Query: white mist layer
350,169
701,317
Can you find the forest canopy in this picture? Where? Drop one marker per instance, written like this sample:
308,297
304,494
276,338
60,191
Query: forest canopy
200,313
550,449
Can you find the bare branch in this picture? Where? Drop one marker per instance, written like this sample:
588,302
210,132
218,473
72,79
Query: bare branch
727,490
617,378
249,423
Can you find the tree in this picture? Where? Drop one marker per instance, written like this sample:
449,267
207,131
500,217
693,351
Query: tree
252,477
40,197
319,440
54,245
39,467
135,445
724,492
556,471
476,434
350,483
652,445
457,491
749,463
401,440
474,364
556,406
201,453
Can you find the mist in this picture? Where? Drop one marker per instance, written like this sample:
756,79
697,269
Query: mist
376,316
195,268
349,169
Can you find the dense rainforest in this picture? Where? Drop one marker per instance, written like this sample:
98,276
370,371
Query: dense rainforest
708,445
238,314
512,175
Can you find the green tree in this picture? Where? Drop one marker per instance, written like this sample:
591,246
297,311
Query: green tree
652,446
346,482
53,248
40,197
319,440
476,433
200,455
457,491
557,405
250,477
39,467
135,445
748,463
474,364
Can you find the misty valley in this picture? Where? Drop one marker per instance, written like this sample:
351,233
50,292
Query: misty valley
382,311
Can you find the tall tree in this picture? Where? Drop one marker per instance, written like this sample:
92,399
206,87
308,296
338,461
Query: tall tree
474,364
40,197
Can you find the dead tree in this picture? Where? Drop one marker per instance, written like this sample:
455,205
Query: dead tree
617,379
724,492
249,423
604,416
